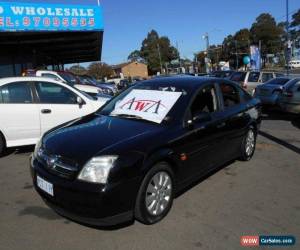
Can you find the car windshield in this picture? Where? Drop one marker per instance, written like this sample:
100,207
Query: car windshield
238,76
152,102
292,83
69,78
278,81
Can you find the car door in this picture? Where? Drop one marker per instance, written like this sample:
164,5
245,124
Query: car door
58,104
253,81
235,118
202,140
19,115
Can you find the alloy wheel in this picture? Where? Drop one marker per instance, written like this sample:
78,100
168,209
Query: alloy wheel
158,194
250,142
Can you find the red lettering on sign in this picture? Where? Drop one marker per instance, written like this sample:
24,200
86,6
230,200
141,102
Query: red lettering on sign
65,22
92,22
46,21
83,22
1,21
8,22
26,21
74,21
36,21
140,106
56,22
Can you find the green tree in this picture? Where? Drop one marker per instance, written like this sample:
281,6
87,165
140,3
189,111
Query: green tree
243,40
266,31
296,20
156,50
78,70
100,70
135,56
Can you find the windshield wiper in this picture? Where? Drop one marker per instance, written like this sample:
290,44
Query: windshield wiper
129,116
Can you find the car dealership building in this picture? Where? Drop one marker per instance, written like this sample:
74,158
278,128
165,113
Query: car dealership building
39,33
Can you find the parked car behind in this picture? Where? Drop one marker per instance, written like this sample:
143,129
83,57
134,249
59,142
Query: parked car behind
294,64
222,73
70,79
250,80
129,159
289,100
106,88
269,92
30,106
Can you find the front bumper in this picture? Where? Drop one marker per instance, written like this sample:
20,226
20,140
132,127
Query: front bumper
88,203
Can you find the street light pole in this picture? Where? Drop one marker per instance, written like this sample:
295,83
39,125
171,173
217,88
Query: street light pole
206,37
237,55
161,67
288,44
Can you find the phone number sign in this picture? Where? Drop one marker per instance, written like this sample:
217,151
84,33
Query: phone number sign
49,17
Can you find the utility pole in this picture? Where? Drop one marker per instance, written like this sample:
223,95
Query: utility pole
206,37
161,66
237,55
179,59
287,38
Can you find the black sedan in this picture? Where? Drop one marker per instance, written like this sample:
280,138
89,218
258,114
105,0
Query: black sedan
129,160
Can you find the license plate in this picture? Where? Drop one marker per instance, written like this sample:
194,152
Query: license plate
45,185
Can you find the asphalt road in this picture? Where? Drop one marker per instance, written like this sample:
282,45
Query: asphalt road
260,197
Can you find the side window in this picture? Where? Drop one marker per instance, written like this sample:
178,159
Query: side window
205,101
253,77
15,93
266,77
230,93
55,94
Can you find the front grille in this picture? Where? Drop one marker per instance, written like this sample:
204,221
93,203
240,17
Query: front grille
58,165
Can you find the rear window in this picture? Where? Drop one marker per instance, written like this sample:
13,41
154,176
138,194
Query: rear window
278,81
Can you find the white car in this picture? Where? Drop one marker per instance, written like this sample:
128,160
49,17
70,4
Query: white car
69,79
30,106
294,64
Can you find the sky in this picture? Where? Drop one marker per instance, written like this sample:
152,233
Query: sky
126,23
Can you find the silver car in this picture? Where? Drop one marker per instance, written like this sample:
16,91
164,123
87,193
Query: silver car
250,80
269,92
289,100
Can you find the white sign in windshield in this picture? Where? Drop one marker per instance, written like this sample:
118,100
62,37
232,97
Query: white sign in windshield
151,105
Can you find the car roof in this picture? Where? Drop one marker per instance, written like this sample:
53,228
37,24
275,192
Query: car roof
181,81
27,79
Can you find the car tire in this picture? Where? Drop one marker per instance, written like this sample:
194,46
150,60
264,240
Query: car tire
2,144
155,196
248,145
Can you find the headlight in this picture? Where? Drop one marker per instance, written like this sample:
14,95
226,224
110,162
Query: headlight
97,169
37,148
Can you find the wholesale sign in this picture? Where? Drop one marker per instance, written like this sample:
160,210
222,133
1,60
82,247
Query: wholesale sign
54,16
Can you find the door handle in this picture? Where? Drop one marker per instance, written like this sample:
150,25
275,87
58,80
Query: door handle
46,111
221,125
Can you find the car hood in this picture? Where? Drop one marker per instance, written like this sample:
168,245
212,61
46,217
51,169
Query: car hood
93,135
87,88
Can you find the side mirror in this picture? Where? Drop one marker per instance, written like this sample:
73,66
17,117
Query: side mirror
79,101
